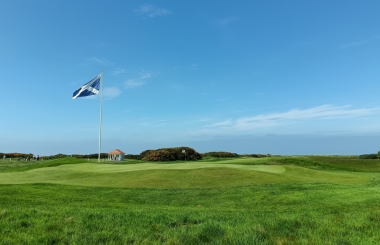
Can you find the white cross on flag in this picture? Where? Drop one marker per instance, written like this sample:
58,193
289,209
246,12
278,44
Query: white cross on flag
90,88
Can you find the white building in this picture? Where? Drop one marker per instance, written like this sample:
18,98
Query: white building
116,155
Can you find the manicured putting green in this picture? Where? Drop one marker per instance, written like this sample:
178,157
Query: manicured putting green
113,168
177,175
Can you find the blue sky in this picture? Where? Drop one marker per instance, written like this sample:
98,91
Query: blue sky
279,77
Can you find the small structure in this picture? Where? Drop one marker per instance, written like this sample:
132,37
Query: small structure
116,155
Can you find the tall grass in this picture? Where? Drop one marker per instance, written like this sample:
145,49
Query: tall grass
284,213
268,214
19,166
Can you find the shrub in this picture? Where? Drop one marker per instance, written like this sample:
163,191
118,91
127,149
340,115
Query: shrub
131,156
54,156
15,155
220,154
170,154
258,155
369,156
95,155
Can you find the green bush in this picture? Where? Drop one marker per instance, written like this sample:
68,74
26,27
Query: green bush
258,155
15,155
219,154
170,154
54,156
369,156
93,156
131,156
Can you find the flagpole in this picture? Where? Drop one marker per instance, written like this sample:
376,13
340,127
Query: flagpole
100,126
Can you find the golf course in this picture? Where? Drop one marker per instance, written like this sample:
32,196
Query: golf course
242,200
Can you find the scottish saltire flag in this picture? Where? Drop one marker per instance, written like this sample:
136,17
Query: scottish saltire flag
90,88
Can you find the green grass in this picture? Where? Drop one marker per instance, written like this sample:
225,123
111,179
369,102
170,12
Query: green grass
236,201
19,166
176,175
354,164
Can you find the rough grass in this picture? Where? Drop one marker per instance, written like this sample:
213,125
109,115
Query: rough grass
20,166
350,164
314,204
265,214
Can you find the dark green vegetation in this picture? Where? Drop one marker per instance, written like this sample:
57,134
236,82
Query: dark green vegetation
257,155
163,154
283,213
170,154
15,155
219,154
370,156
132,156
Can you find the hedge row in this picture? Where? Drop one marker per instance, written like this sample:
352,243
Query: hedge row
369,156
258,155
170,154
134,157
95,155
54,156
15,155
220,154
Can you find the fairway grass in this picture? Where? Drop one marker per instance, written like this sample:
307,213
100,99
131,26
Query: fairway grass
177,175
293,200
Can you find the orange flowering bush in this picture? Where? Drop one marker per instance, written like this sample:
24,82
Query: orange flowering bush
15,155
170,154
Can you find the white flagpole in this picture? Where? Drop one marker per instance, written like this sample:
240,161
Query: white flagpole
100,126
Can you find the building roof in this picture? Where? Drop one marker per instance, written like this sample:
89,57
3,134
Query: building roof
116,151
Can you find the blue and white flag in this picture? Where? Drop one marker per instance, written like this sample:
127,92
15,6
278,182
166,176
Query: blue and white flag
90,88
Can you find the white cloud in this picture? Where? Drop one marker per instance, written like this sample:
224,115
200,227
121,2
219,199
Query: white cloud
323,112
225,123
150,11
118,71
132,83
146,74
111,92
141,80
100,61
